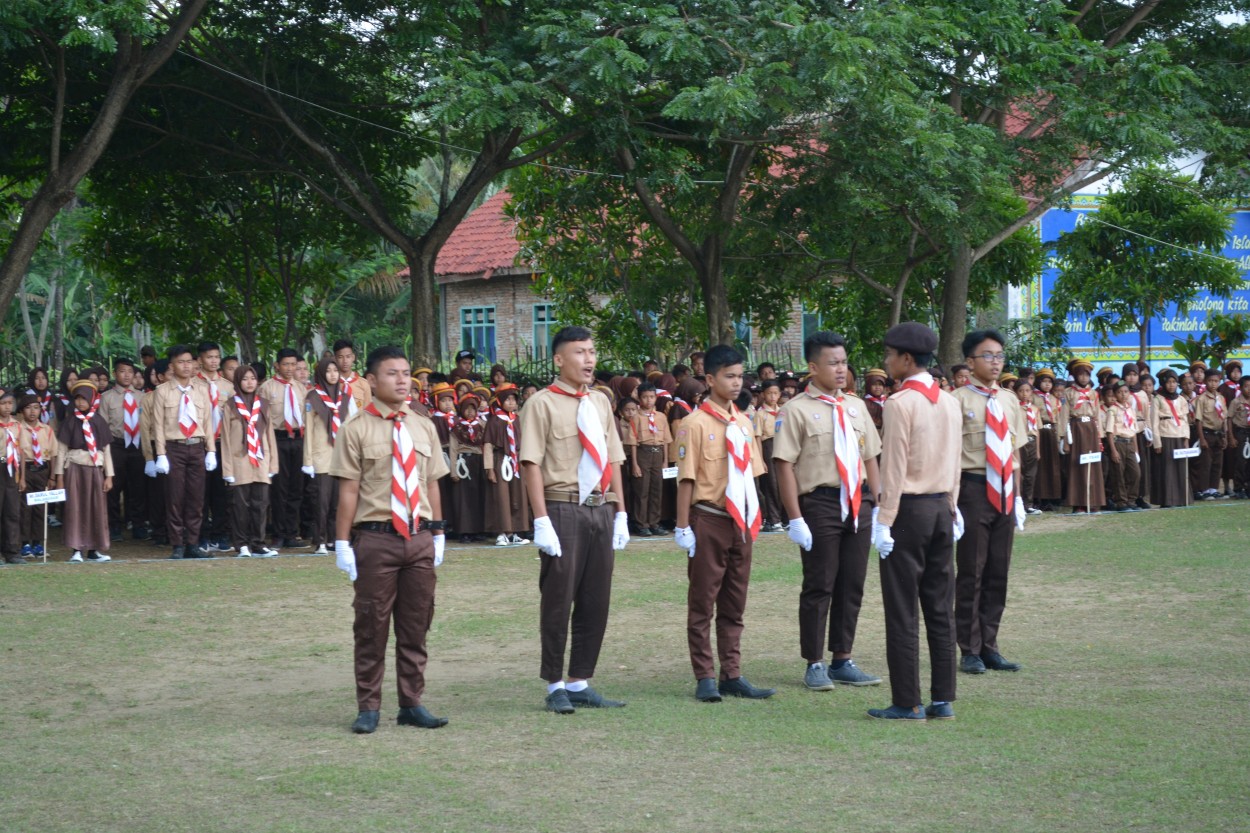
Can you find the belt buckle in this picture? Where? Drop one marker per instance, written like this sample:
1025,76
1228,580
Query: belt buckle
1084,419
593,500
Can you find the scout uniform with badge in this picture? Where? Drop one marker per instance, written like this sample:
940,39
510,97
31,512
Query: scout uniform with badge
876,402
1120,426
12,481
39,448
120,405
467,475
1048,487
1082,420
85,467
284,408
507,510
444,396
249,460
652,431
1211,416
185,451
1239,425
326,407
1230,388
1147,425
767,419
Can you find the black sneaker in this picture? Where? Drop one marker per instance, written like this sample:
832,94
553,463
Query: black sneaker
971,664
420,717
294,544
739,687
196,552
179,553
997,662
558,702
591,699
1142,504
366,723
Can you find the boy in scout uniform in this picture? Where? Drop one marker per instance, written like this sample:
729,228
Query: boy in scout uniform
1120,426
389,537
345,358
283,395
220,391
653,438
990,502
825,435
718,519
914,528
571,459
120,405
1210,414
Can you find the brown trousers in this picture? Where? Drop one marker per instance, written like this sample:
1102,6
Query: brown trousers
833,573
32,516
287,490
1239,473
1146,452
577,583
1205,469
1028,472
395,579
129,482
327,509
10,512
184,492
249,503
719,573
766,485
649,489
1125,477
919,567
983,557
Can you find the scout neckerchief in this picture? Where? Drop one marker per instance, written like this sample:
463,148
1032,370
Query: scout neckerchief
1127,417
651,426
251,416
1051,403
509,420
186,411
1219,405
1030,415
12,455
846,455
928,390
1084,396
880,400
405,478
999,480
292,414
1171,400
130,419
593,469
214,401
88,433
45,404
334,406
36,450
741,501
450,418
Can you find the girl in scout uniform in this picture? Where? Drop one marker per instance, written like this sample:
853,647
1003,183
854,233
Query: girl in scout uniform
1048,486
507,511
467,475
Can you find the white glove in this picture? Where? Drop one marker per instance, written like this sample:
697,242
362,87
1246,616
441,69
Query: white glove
345,558
1020,513
149,468
272,474
440,544
1148,434
545,537
308,470
210,461
957,528
800,534
1063,447
162,464
228,479
620,531
882,539
684,536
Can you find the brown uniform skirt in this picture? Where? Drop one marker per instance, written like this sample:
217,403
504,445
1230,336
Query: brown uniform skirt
1085,439
86,524
507,509
1049,482
1170,486
469,496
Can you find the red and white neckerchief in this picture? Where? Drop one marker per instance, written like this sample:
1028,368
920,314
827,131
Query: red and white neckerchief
470,426
683,404
405,476
1030,415
651,426
88,433
12,454
449,417
880,400
593,469
1219,405
661,393
510,421
929,391
130,419
186,411
741,500
846,455
1084,396
1051,403
292,413
36,450
336,421
1000,484
1128,417
45,404
214,403
251,418
1172,407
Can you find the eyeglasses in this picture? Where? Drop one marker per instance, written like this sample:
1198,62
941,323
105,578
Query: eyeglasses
991,357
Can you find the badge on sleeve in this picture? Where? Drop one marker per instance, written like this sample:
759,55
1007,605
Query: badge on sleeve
681,452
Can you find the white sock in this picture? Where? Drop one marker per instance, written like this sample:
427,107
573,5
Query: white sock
580,685
554,687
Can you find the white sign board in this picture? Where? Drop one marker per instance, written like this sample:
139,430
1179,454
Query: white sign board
1183,453
40,498
670,472
1092,457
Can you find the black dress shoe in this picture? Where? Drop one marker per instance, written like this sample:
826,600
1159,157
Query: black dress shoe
140,533
419,716
739,687
591,699
997,662
706,691
294,543
15,559
657,532
366,723
196,552
558,702
178,554
643,532
971,664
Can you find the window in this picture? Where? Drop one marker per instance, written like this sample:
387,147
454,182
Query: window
477,331
544,328
813,322
742,333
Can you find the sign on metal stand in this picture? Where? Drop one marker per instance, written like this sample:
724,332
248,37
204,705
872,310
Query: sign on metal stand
42,499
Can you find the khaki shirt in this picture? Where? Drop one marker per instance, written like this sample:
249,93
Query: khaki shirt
363,452
1145,413
972,407
918,449
361,391
642,429
1113,421
703,453
1168,425
628,437
165,428
225,390
549,435
1207,413
234,462
82,457
1239,413
1049,408
273,393
806,439
1090,406
147,431
112,406
766,423
48,445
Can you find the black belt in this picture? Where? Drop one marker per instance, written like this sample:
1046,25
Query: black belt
927,496
651,447
972,475
35,466
1126,440
835,491
378,526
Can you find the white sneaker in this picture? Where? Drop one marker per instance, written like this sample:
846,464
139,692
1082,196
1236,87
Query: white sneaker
502,541
321,550
76,558
244,552
517,540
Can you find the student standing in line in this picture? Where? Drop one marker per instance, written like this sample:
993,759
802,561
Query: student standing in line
86,467
248,461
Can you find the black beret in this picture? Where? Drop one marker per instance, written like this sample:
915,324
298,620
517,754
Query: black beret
911,337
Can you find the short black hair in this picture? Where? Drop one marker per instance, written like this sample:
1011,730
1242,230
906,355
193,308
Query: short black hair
769,383
123,362
719,356
161,366
760,370
147,350
680,370
956,368
286,353
567,334
922,360
744,399
813,344
341,343
380,354
645,387
205,346
174,352
972,339
230,359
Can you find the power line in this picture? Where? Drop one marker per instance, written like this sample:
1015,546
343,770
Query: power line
1091,218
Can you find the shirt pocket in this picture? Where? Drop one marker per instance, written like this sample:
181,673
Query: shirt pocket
565,448
820,431
375,457
973,435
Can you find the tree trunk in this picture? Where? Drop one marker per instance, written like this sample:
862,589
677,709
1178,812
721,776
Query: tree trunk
955,305
424,305
720,322
1143,333
58,327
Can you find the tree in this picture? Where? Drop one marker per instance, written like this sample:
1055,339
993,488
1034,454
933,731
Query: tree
1154,243
46,48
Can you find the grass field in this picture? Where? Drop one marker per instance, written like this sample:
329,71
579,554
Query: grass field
216,696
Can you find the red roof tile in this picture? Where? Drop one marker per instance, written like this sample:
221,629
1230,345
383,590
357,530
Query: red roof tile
483,243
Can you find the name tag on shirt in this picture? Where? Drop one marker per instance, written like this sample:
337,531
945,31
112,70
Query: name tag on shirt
669,472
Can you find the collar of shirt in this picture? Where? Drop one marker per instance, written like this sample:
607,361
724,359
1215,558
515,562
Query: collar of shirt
924,377
565,386
386,410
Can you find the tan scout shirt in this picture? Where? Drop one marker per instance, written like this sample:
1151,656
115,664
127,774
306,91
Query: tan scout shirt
234,462
112,406
147,430
1145,416
703,456
274,394
806,439
1206,412
317,447
1113,421
225,391
766,423
361,391
918,449
82,457
165,400
48,446
642,429
363,453
1239,412
972,407
549,435
1089,405
1172,427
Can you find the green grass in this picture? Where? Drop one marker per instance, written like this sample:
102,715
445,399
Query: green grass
216,696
